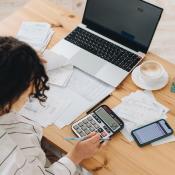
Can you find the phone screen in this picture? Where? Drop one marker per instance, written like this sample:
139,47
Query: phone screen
152,132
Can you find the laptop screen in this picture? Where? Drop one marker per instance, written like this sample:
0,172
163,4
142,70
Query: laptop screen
129,22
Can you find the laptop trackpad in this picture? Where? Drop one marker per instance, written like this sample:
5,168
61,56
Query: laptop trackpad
87,62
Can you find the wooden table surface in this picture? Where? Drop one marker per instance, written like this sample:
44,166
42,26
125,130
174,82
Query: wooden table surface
119,157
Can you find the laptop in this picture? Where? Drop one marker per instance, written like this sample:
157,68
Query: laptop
112,39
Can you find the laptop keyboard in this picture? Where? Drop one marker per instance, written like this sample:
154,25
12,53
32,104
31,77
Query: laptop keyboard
104,49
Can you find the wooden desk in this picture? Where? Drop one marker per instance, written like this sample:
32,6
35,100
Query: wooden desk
120,157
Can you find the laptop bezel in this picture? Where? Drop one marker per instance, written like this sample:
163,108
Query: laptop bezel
118,38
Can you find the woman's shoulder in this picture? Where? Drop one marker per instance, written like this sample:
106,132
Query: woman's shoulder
15,120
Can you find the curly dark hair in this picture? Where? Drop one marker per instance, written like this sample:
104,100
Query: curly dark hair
20,67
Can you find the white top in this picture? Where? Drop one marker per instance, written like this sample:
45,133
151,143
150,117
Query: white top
20,150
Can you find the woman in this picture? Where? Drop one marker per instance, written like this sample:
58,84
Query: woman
22,74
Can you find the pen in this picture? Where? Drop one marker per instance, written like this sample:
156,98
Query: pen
82,138
91,109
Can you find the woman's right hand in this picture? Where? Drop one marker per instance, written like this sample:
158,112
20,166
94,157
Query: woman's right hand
85,149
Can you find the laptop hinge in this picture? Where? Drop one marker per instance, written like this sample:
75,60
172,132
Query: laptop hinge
141,54
82,25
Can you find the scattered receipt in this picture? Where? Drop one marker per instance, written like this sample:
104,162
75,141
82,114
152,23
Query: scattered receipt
65,104
48,112
36,34
58,68
138,109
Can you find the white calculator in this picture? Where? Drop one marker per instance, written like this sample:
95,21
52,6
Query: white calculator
103,120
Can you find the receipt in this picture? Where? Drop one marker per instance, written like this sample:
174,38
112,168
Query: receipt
54,60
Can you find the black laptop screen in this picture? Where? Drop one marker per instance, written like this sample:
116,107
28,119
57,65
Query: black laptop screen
129,22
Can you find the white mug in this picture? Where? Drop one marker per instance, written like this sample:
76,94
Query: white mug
151,72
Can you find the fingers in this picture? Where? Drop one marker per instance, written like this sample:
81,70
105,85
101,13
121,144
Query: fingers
95,138
91,134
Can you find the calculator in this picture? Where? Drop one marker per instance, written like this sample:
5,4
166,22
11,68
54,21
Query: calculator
103,120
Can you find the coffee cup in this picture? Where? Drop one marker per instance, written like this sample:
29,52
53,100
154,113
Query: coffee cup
151,72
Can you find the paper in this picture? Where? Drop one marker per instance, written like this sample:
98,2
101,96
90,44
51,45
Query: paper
46,113
58,68
84,92
65,104
54,61
36,34
89,87
138,109
77,107
61,76
165,140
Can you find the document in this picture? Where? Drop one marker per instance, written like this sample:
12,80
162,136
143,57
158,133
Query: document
60,76
138,109
84,91
90,88
48,112
58,68
65,104
54,61
36,34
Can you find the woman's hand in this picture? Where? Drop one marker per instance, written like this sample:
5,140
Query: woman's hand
85,149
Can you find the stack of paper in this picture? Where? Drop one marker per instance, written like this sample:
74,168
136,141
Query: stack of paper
65,104
139,109
84,91
46,113
58,68
36,34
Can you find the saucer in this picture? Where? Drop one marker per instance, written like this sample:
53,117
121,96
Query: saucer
138,80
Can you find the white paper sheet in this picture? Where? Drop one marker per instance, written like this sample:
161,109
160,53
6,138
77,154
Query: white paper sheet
165,140
36,34
61,76
89,87
65,104
85,92
58,68
138,109
46,113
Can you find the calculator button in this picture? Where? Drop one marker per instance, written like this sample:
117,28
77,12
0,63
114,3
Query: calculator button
85,121
96,126
94,115
79,130
87,131
107,129
98,120
100,130
81,124
82,134
90,118
88,125
92,129
76,127
104,134
93,122
83,128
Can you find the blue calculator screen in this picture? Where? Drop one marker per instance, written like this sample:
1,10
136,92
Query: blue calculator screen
149,133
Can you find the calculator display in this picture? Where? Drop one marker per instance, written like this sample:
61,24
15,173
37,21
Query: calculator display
107,118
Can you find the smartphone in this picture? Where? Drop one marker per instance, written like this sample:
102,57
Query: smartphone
152,132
